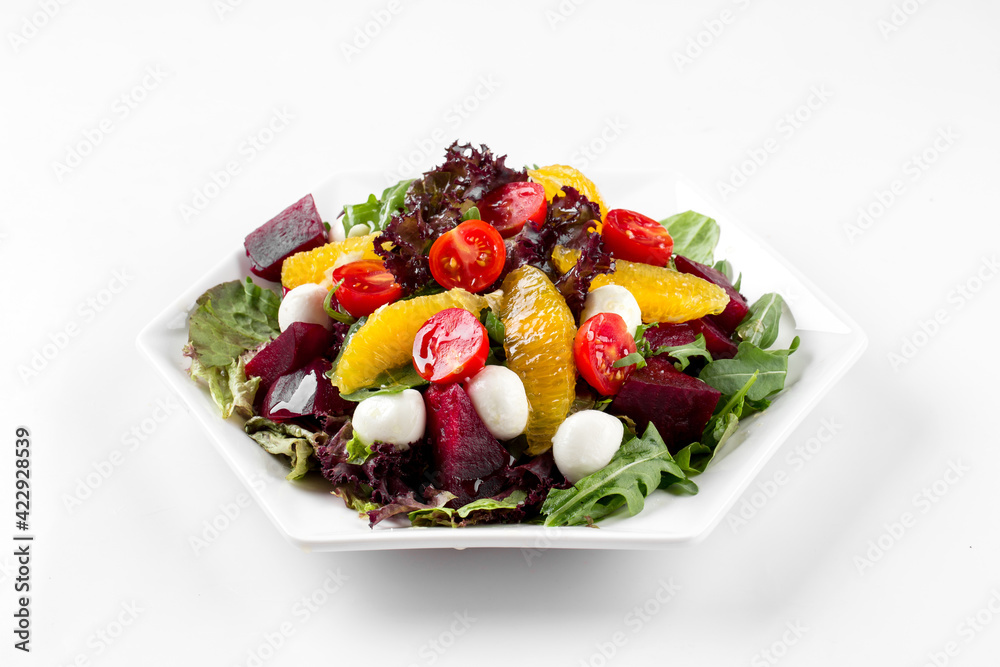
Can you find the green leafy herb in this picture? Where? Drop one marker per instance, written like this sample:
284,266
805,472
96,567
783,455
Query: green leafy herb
357,451
635,359
336,313
471,214
444,516
695,235
760,326
230,319
287,440
375,213
391,381
682,353
694,458
229,386
634,472
730,375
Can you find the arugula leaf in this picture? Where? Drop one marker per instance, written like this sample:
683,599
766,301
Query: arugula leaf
730,375
471,214
496,331
230,319
694,458
229,386
375,213
634,472
760,326
287,440
635,359
445,516
391,381
336,313
725,267
695,235
684,353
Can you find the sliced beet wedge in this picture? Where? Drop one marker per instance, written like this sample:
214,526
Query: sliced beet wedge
466,455
678,404
737,308
295,229
303,393
295,347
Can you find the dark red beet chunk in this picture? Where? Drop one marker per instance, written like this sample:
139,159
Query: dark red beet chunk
737,309
677,404
302,393
716,340
466,455
671,334
295,229
294,348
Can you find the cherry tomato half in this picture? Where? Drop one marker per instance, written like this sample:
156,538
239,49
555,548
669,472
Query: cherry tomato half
633,237
470,256
366,285
508,207
600,342
451,346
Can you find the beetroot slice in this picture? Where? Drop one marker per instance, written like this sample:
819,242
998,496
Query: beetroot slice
295,347
295,229
466,455
302,393
737,308
716,340
677,404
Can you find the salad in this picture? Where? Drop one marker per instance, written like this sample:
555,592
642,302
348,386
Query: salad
486,344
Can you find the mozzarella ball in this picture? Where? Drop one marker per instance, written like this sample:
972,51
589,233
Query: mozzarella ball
398,419
613,299
585,443
498,396
304,304
336,233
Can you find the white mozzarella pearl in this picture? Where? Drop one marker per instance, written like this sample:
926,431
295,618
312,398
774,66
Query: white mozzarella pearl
498,396
585,443
304,304
613,299
398,419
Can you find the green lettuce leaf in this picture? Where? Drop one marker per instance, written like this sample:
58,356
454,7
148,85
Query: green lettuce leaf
635,471
760,326
695,235
230,319
357,451
288,440
375,213
444,516
229,386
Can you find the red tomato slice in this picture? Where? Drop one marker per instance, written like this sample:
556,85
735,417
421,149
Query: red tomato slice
451,346
508,207
600,342
633,237
366,285
470,256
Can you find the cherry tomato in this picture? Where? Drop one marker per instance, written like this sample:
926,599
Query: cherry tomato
470,256
508,207
367,285
600,342
451,346
633,237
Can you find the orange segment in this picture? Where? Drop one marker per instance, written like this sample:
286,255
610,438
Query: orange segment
385,341
315,266
664,295
553,177
538,340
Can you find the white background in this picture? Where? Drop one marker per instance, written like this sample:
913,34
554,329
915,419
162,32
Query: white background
557,81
